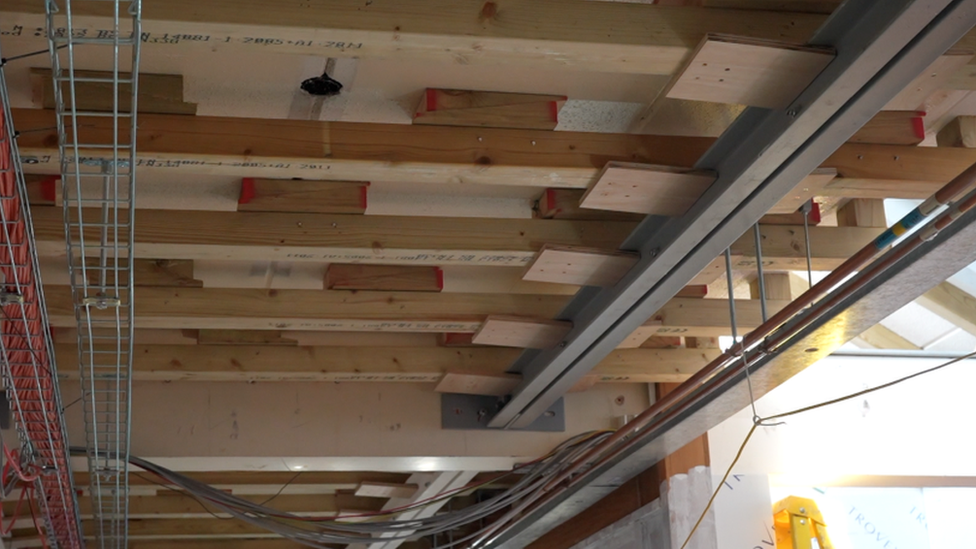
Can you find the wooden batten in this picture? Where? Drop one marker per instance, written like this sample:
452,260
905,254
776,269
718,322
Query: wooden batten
298,196
646,189
158,93
747,71
439,107
529,333
579,266
394,278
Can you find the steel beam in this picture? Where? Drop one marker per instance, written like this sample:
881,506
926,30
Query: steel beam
881,47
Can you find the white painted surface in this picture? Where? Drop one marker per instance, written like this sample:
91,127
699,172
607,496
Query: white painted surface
910,429
743,516
335,426
687,496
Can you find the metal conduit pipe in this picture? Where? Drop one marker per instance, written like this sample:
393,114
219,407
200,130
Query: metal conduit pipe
676,401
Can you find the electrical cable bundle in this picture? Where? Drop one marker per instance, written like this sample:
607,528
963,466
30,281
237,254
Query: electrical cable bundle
383,526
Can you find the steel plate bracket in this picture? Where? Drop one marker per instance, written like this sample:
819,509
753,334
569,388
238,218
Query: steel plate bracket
473,412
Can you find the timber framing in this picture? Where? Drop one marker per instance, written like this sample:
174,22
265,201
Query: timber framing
308,287
247,147
618,37
364,364
433,241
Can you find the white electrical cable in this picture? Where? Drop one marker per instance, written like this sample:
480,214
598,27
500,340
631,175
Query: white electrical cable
319,532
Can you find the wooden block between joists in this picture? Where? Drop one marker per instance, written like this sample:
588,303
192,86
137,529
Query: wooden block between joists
441,107
529,333
892,128
404,278
299,196
579,266
960,132
158,93
748,71
42,190
646,189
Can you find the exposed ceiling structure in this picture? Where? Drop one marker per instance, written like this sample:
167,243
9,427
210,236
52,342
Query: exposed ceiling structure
511,222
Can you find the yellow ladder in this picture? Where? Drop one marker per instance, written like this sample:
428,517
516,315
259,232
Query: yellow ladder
799,525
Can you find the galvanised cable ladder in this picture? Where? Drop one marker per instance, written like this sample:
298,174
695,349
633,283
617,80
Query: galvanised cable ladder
98,185
26,352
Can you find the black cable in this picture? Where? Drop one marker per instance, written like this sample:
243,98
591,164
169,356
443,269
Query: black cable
283,486
4,60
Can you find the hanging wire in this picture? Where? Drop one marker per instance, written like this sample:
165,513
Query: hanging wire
806,209
759,268
735,332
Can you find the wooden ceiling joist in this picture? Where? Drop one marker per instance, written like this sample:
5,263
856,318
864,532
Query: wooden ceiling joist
414,241
339,238
428,154
628,38
345,311
246,309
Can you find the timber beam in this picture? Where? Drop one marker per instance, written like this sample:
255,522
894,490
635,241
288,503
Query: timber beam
623,38
350,311
247,147
367,364
433,241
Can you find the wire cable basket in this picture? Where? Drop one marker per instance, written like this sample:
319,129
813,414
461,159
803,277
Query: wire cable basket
98,189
